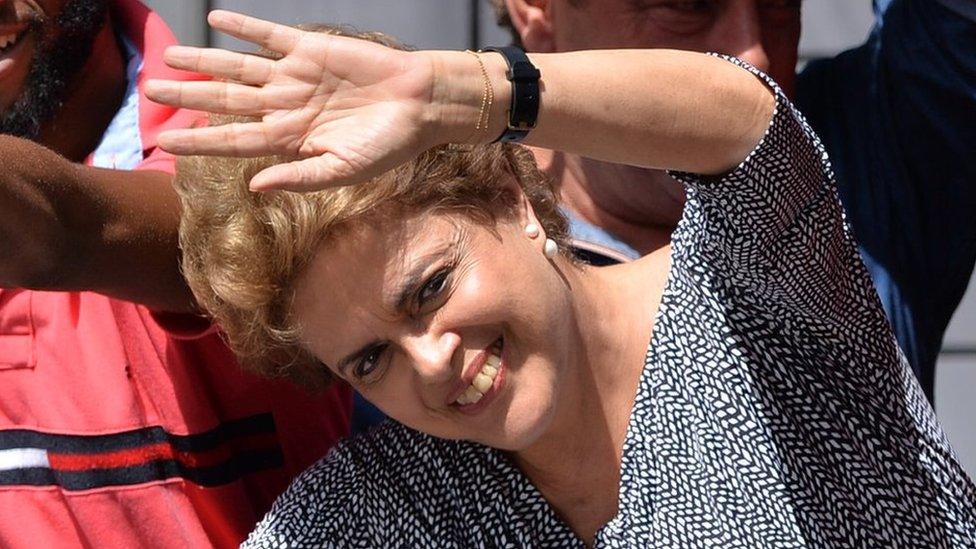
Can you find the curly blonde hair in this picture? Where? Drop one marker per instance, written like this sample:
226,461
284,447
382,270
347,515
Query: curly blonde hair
244,251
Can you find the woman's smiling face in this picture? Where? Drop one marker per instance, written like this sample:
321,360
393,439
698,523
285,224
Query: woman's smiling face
451,327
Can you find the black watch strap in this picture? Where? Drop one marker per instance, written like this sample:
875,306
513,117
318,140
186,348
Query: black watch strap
524,110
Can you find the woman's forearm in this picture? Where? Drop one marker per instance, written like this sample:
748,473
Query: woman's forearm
348,110
652,108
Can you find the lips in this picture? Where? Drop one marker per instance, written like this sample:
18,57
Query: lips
481,380
11,42
10,36
6,40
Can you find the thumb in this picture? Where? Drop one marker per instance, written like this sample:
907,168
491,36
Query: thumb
311,174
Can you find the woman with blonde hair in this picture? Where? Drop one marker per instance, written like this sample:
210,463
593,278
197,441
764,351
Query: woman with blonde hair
738,388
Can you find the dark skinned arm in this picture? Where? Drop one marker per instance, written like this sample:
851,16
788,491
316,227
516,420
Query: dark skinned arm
70,227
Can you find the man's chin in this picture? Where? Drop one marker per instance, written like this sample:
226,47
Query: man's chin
55,56
11,100
27,115
14,76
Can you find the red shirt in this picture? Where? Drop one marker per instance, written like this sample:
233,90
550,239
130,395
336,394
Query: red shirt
116,433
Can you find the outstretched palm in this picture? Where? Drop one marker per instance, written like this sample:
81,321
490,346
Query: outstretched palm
346,109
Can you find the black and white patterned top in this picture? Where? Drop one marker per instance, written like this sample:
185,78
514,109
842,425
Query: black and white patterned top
774,409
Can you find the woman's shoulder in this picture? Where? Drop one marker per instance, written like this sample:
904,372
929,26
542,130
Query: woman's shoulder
392,483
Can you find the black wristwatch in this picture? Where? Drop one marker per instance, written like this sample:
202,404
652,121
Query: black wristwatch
524,110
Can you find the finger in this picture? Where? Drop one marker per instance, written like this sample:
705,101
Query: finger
311,174
218,63
275,37
217,97
240,139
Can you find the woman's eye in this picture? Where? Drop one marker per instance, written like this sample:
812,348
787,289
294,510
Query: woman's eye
369,362
432,288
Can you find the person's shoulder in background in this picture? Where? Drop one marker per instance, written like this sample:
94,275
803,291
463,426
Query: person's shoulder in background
896,117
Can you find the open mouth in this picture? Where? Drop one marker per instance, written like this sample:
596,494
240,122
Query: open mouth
10,40
486,381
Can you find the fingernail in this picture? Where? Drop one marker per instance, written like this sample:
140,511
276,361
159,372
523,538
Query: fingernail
159,91
153,88
257,187
215,16
164,142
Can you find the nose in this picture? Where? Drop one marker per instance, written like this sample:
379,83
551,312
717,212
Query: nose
741,34
432,355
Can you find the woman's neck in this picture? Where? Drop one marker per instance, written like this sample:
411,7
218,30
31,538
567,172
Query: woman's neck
576,464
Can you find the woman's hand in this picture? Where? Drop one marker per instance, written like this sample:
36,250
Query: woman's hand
346,109
349,110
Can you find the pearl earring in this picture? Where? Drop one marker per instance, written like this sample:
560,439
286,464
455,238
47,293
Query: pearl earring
532,230
551,249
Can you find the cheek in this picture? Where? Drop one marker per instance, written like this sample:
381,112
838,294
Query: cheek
398,395
511,287
525,297
395,395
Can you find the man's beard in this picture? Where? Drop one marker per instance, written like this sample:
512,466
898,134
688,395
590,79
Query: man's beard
63,48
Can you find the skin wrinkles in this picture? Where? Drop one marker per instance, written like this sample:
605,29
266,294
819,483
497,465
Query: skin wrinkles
429,351
403,276
573,336
406,298
568,388
410,276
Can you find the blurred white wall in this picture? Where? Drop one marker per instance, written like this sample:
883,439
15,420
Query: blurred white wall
829,26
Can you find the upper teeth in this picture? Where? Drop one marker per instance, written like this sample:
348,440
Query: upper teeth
7,39
481,382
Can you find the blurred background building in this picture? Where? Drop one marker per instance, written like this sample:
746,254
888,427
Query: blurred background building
829,26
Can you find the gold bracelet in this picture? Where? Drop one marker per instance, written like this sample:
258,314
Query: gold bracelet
487,96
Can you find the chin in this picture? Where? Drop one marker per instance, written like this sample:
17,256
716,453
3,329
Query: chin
524,424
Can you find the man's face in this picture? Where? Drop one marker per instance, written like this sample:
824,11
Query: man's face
43,45
765,33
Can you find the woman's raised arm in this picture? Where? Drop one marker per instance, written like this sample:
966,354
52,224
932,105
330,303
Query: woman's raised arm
349,110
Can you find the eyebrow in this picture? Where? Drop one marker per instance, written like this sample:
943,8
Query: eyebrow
411,282
407,288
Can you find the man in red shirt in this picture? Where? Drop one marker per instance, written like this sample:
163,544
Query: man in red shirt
115,430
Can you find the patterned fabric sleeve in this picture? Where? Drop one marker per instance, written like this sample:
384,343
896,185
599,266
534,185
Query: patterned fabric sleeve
396,487
756,219
766,192
365,493
776,409
317,509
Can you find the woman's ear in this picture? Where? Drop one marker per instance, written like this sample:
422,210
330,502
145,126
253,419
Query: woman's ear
521,205
533,22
